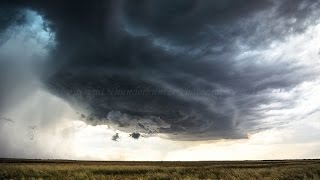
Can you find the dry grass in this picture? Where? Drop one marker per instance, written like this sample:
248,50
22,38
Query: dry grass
39,169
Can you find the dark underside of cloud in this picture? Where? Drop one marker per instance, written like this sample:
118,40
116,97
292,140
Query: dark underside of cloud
168,66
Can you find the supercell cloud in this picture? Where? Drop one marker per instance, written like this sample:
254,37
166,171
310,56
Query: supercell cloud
192,70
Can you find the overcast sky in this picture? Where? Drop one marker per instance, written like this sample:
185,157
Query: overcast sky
160,79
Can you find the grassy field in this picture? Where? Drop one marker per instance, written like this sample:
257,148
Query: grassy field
59,169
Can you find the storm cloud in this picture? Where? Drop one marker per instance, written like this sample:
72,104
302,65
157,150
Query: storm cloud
192,70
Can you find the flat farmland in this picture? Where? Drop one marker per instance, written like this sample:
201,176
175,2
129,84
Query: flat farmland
65,169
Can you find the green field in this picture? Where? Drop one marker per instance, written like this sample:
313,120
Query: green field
60,169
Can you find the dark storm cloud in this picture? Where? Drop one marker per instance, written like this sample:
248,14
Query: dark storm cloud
135,135
115,137
173,67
